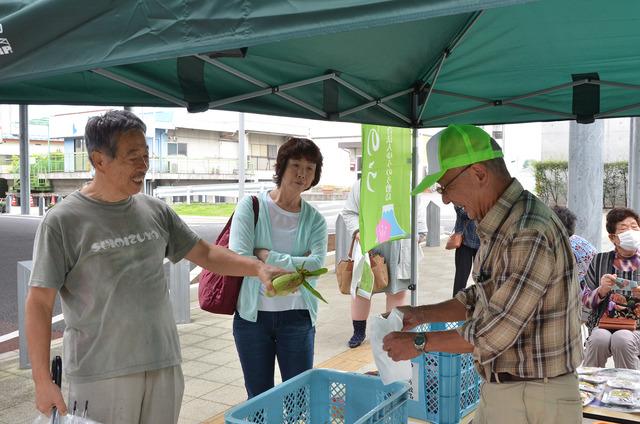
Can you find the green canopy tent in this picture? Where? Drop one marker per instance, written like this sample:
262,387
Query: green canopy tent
355,60
402,63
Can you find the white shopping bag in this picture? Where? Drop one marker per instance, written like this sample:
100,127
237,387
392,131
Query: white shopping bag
389,369
63,419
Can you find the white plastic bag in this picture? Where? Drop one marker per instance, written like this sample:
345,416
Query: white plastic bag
361,264
63,419
389,369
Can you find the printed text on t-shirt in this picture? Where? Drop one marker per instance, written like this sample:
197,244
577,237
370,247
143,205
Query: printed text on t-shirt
125,241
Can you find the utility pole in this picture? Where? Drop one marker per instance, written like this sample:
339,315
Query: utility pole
242,156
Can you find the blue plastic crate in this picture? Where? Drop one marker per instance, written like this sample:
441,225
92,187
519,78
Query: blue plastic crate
448,386
326,397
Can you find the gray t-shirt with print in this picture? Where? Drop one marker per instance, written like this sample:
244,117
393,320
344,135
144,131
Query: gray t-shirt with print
106,260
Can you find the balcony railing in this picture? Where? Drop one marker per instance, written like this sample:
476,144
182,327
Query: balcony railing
79,162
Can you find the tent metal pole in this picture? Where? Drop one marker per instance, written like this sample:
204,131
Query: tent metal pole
462,96
499,103
545,91
303,104
618,110
454,43
374,102
539,109
444,56
241,97
232,71
414,203
617,84
460,112
395,113
25,180
138,86
370,98
273,90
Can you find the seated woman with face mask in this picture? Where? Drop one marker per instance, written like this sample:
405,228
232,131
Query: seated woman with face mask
623,262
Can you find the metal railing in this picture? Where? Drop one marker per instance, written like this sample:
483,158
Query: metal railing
79,162
178,283
223,190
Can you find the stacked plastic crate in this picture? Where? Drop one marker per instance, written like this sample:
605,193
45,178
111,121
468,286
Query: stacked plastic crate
447,386
326,396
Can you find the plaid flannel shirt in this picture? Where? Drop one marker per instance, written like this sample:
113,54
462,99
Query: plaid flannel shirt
523,317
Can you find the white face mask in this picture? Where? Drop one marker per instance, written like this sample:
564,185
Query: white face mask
629,240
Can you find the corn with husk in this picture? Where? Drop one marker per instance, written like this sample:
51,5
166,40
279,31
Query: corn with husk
288,283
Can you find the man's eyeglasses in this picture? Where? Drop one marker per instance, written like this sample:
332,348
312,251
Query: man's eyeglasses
441,189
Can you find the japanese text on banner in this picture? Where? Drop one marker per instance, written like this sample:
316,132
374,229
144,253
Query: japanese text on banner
385,200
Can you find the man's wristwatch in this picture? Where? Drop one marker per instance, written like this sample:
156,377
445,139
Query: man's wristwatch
420,341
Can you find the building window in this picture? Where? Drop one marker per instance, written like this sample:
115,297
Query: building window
81,158
263,156
177,149
497,135
272,151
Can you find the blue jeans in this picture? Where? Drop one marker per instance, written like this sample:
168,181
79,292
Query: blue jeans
286,335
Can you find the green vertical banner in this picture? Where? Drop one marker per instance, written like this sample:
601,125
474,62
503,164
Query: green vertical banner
385,189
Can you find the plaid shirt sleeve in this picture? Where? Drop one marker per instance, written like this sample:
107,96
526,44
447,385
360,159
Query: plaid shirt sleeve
527,267
467,297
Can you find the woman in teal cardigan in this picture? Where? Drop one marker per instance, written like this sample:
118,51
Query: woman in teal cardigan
289,233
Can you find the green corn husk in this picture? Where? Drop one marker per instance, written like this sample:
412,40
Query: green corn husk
288,283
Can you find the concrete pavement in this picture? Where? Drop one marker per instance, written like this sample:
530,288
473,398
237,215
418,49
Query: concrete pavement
213,378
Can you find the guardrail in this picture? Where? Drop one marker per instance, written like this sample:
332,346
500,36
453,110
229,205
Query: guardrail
223,190
179,278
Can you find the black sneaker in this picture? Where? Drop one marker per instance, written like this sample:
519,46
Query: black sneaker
356,340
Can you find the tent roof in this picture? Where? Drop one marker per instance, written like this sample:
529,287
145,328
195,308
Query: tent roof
478,61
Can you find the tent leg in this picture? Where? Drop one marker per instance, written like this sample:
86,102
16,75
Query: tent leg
414,220
633,201
25,181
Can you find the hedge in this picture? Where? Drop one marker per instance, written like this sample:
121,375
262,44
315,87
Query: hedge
551,182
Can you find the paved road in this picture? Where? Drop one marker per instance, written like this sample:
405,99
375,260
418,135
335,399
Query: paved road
16,244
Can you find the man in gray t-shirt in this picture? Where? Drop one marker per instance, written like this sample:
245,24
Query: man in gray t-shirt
102,248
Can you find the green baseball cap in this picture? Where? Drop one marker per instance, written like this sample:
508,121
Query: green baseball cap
456,146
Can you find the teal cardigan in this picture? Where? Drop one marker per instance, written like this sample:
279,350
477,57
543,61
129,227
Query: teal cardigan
311,237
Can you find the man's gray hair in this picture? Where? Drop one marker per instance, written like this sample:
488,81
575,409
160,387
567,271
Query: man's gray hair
102,132
497,166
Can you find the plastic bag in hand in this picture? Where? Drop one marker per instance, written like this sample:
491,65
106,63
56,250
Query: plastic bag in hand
389,369
63,419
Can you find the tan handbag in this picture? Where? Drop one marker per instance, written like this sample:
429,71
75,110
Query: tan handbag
380,272
344,271
454,241
613,324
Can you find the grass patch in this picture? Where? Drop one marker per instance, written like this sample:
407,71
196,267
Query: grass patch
204,209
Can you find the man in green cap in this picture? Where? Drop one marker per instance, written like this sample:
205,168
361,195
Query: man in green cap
522,315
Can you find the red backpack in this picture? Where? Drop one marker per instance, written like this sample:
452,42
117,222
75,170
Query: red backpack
217,293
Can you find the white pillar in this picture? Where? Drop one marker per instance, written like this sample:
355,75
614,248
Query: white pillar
586,168
634,165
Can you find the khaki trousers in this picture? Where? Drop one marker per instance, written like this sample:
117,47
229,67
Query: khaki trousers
145,397
556,401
